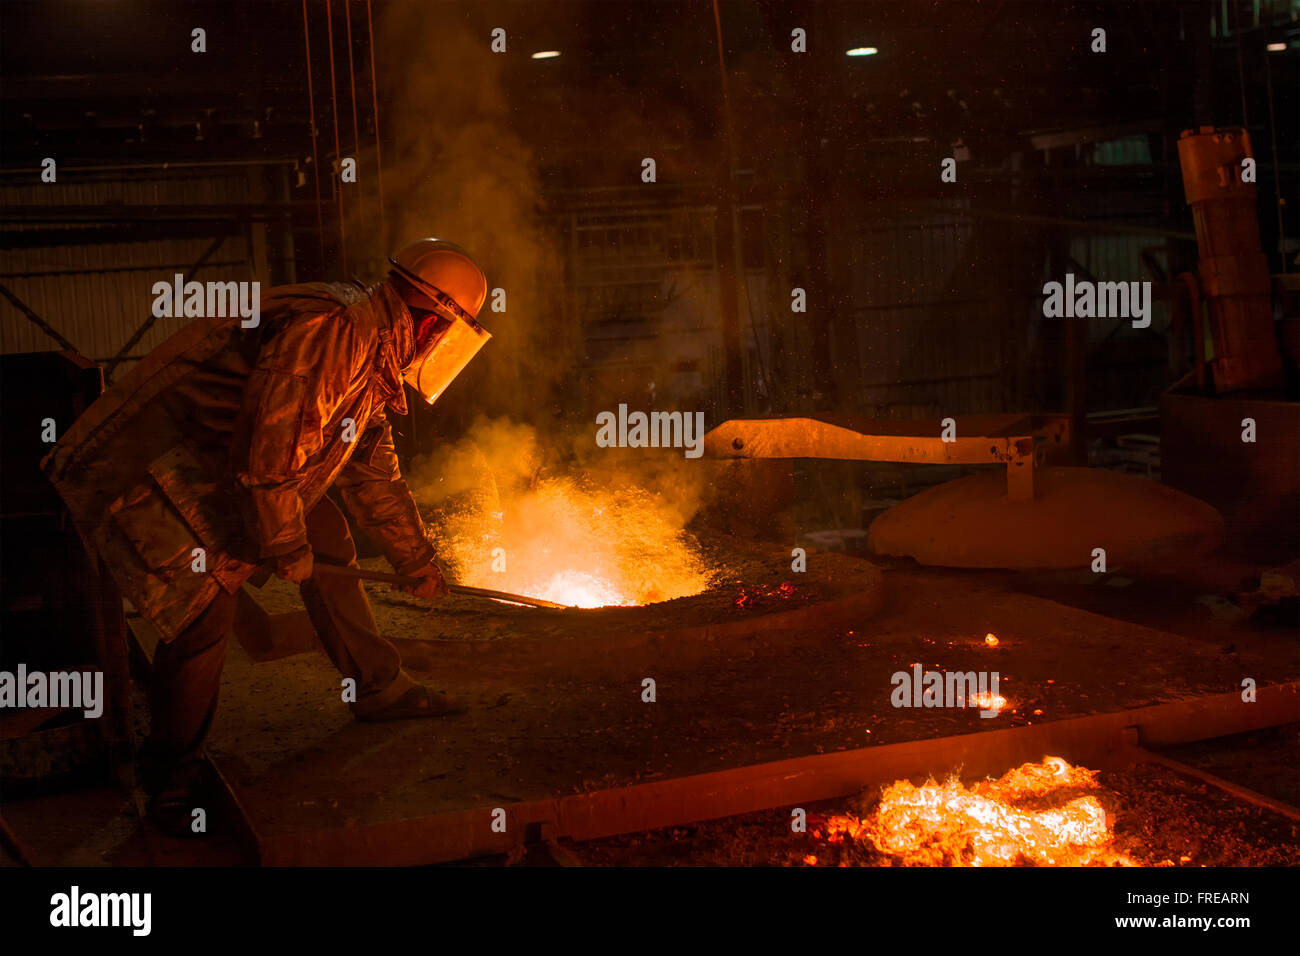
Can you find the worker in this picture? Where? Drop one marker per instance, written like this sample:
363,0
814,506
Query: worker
208,464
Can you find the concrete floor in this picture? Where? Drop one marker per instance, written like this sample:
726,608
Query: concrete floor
299,764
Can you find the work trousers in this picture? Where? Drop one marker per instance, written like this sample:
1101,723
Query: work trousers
186,676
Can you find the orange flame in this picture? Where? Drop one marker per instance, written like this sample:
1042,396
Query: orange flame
1021,818
501,523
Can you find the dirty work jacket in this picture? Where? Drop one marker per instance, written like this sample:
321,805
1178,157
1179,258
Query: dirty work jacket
223,438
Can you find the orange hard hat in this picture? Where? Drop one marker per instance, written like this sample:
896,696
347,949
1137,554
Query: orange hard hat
440,278
443,276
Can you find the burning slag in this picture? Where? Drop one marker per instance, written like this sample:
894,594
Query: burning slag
953,689
655,430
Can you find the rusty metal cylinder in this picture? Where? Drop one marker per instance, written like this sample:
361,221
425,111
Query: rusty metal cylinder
1233,270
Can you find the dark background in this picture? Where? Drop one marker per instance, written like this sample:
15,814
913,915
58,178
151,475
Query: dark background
924,297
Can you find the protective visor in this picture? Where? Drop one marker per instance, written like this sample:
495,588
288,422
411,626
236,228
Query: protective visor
453,342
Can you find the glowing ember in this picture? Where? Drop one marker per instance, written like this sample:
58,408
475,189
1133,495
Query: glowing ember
987,700
991,640
500,523
1034,814
747,596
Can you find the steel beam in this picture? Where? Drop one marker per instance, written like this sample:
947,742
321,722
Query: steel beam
121,212
136,336
35,319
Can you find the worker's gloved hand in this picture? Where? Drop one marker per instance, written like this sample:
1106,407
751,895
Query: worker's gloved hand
432,584
296,566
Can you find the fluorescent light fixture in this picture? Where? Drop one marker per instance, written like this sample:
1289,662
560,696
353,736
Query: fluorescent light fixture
862,51
1276,47
546,54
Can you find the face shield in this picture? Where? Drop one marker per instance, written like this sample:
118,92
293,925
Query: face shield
447,349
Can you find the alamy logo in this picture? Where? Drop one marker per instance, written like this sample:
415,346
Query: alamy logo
950,689
73,690
1102,300
75,908
198,300
653,430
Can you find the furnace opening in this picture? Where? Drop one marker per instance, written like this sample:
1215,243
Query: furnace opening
510,514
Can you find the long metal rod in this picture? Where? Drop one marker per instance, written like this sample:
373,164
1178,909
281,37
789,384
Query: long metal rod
36,319
113,270
741,278
356,127
349,572
148,323
315,153
146,212
374,107
1089,225
1277,173
338,150
1227,786
131,167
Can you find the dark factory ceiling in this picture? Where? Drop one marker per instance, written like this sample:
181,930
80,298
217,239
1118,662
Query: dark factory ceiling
117,80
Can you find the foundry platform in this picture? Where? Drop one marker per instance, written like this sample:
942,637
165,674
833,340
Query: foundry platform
655,434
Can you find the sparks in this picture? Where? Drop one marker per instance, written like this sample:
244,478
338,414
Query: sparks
567,539
987,700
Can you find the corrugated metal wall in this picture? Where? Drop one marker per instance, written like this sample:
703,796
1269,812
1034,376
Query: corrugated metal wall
923,344
97,295
644,291
1127,366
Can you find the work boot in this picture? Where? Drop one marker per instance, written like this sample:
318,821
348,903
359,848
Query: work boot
419,701
175,792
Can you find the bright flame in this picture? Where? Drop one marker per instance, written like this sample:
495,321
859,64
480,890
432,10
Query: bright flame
991,640
501,524
580,589
1021,818
576,546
